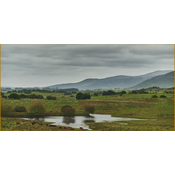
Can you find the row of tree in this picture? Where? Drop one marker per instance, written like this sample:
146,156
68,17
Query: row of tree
31,96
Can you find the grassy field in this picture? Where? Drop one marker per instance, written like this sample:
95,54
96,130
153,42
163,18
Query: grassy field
159,112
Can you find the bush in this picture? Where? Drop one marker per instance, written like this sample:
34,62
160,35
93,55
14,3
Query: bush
162,96
39,97
68,110
3,96
14,96
123,92
51,98
23,96
90,109
19,109
154,96
109,92
37,107
95,94
80,96
5,109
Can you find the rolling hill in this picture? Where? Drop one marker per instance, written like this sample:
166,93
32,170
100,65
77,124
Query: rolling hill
163,81
120,81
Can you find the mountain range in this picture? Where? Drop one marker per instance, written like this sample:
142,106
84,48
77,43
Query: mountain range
163,81
122,81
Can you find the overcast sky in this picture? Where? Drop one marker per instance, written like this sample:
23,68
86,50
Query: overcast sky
44,65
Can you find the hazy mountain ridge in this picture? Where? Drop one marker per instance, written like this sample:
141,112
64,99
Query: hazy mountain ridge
163,81
120,81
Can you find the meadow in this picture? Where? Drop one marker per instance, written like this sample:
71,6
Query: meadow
158,112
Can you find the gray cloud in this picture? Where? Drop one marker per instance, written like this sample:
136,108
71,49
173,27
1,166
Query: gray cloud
42,65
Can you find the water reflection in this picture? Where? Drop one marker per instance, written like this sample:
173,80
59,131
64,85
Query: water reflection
78,121
68,119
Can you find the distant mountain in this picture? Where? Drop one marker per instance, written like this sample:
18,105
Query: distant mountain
162,81
120,81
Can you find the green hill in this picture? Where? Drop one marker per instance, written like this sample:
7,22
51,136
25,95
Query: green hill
162,81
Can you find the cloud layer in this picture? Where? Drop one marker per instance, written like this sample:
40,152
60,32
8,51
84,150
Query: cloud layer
42,65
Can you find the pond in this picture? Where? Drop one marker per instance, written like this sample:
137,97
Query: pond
78,121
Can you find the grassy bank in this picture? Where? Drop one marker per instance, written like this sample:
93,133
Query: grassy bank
16,124
158,111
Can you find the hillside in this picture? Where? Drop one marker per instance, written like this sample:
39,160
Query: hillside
162,81
120,81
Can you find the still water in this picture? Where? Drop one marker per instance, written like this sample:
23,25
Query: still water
78,121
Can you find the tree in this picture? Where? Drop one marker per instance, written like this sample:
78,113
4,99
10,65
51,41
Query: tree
19,109
3,96
51,98
162,96
78,96
95,94
110,92
154,96
68,110
37,107
14,96
5,109
123,92
90,109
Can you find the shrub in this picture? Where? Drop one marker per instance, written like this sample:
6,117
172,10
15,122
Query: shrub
19,109
68,110
37,107
14,96
162,96
80,96
95,94
154,96
51,98
90,109
3,96
123,92
39,97
110,92
85,96
23,96
5,109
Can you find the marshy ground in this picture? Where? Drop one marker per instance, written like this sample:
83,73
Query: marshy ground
158,112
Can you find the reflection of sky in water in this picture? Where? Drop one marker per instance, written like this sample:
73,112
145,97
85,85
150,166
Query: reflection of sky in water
79,121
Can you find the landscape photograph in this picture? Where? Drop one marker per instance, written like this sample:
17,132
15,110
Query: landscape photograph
87,87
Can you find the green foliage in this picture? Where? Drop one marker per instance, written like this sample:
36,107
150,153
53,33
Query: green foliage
109,92
14,96
95,94
34,96
19,109
5,109
23,96
68,110
37,107
90,109
123,92
2,93
154,96
162,96
51,98
3,96
80,96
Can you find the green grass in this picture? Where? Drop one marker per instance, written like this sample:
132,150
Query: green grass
16,124
158,112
